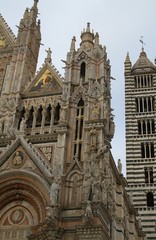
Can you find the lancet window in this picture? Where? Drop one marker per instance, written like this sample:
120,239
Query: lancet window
79,129
83,71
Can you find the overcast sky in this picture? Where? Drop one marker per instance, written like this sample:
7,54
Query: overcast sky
120,24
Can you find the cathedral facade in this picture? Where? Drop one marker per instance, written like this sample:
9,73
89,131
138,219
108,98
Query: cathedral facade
58,178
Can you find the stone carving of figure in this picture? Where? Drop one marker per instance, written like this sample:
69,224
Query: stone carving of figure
8,126
63,114
95,111
1,125
93,137
87,187
22,125
104,186
110,198
119,166
101,151
17,160
112,127
130,197
96,189
50,213
95,169
105,110
48,58
88,212
54,193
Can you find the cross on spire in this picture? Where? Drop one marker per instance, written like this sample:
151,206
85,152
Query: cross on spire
143,43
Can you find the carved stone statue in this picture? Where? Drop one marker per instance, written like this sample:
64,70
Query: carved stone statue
119,166
87,187
93,137
96,189
1,125
112,127
22,125
17,160
95,111
51,212
88,212
8,126
101,151
106,110
63,114
54,193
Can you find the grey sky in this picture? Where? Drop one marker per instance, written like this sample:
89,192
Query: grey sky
120,24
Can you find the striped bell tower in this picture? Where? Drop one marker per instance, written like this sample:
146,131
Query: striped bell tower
140,92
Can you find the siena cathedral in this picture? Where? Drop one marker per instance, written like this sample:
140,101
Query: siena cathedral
58,178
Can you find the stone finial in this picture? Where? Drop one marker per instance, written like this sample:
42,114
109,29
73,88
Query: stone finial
48,58
88,27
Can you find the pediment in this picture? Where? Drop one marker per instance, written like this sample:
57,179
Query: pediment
21,156
81,91
46,82
7,38
81,56
95,91
75,167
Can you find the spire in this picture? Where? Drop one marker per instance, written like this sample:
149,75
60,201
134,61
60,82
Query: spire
128,64
34,10
72,47
127,57
143,64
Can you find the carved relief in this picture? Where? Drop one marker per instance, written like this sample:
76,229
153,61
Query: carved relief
17,160
16,216
48,152
95,110
54,193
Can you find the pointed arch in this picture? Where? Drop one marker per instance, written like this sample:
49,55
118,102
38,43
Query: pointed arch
79,122
83,71
73,189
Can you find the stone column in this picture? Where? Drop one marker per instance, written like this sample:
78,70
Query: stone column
43,119
52,118
34,121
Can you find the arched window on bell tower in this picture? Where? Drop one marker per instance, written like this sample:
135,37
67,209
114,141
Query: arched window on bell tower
83,71
79,129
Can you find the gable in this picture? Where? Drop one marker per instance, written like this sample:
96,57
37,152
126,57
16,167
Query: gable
7,38
46,82
22,156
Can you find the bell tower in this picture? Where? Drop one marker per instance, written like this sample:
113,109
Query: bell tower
25,54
